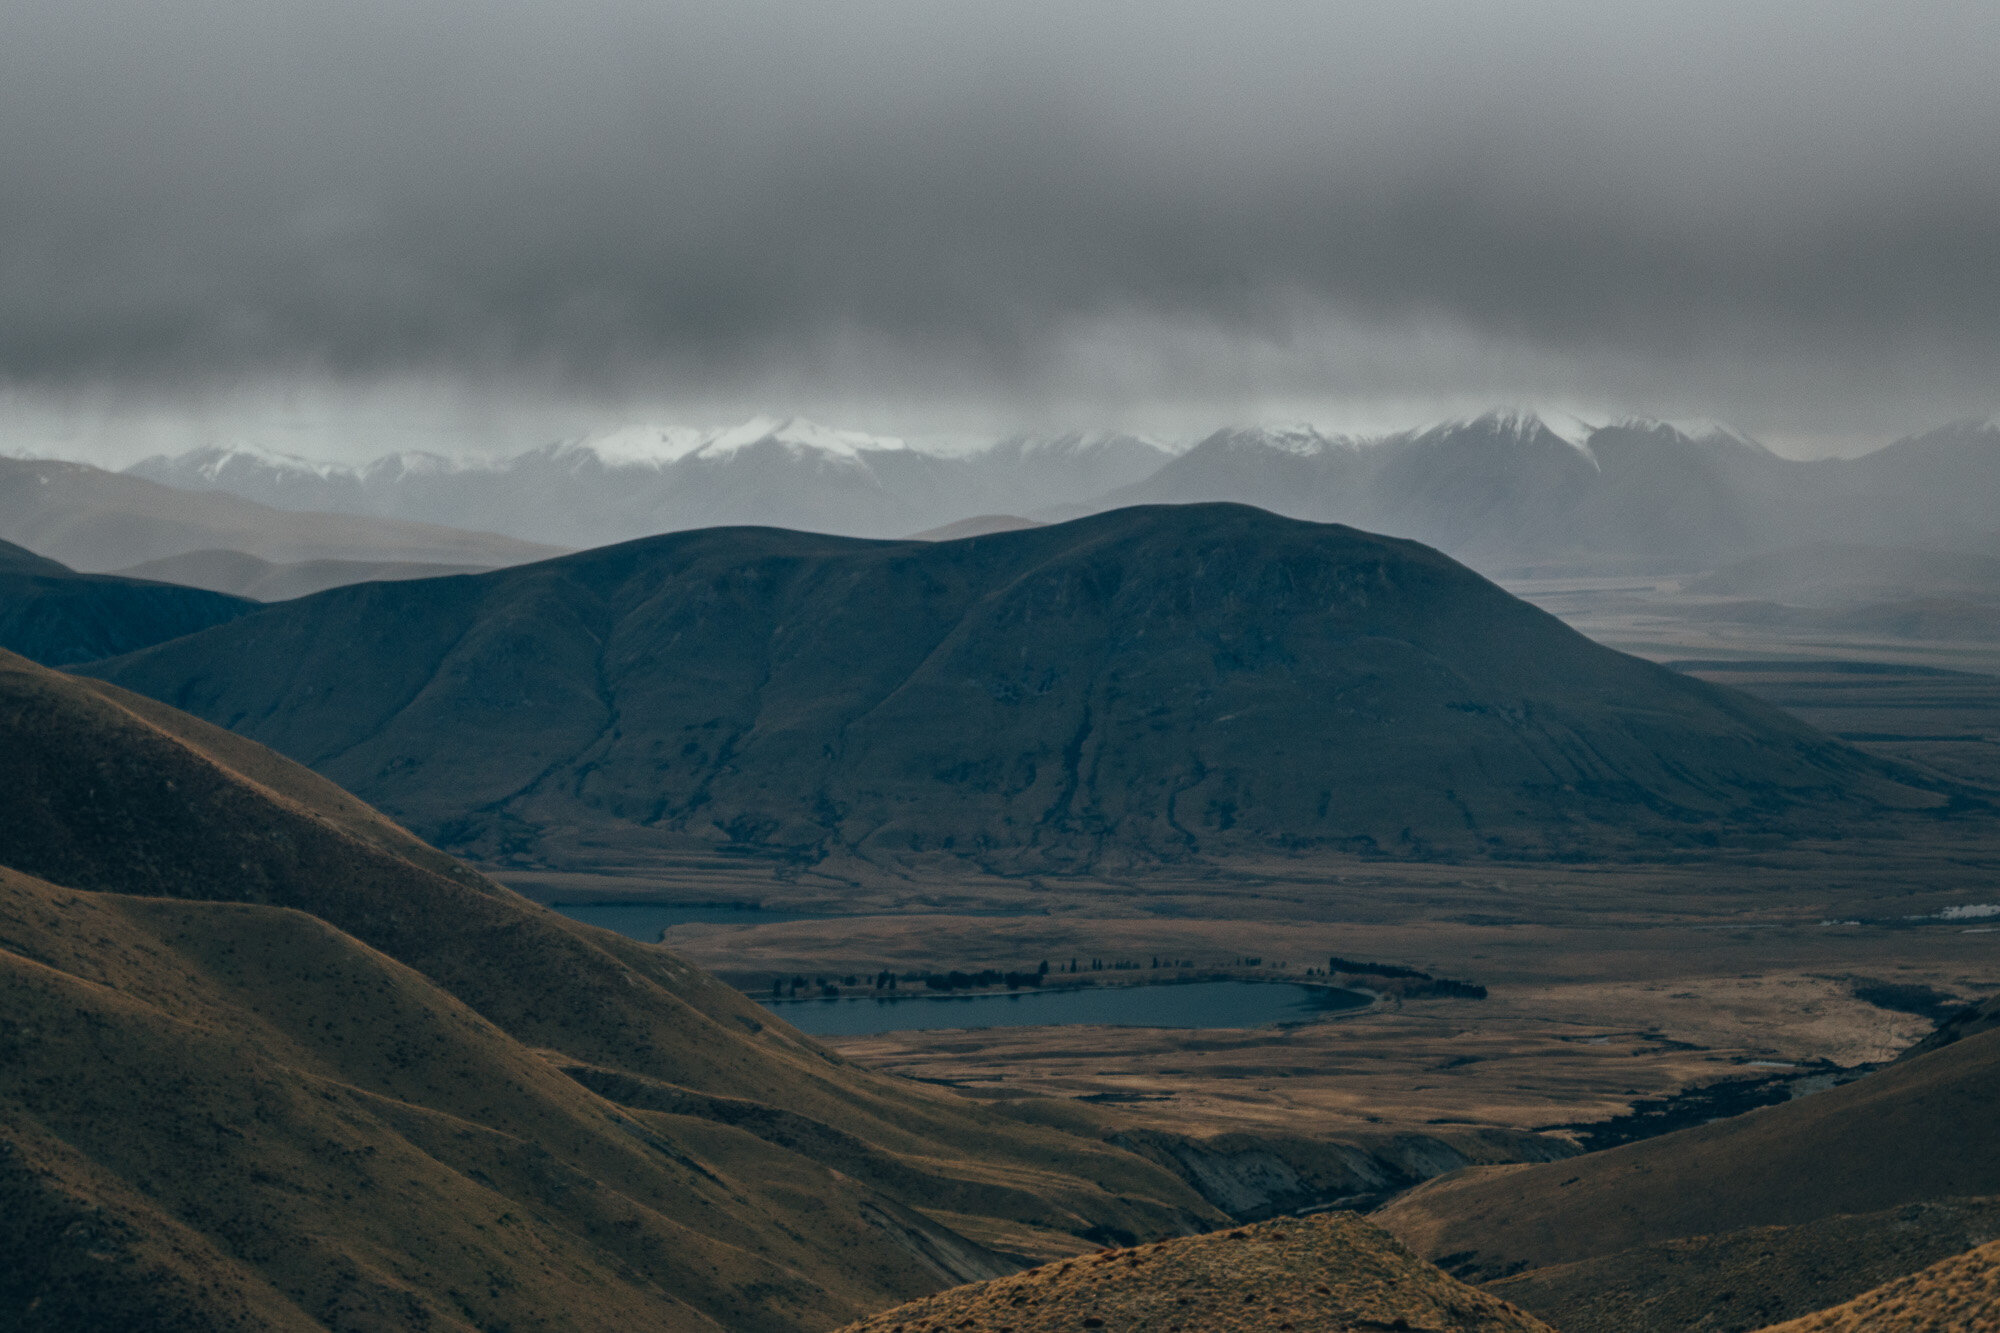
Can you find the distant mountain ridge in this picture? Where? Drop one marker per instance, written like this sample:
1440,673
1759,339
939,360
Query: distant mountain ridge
640,481
243,575
1502,490
94,520
1150,684
1507,490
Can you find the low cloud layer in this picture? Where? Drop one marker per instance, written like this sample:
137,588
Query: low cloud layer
1783,213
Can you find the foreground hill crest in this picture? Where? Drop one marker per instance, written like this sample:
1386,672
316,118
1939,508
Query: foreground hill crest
1329,1273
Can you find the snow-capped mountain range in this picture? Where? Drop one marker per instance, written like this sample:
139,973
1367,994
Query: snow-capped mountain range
663,446
640,480
1505,490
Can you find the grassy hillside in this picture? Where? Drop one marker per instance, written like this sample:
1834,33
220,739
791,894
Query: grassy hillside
1153,683
1685,1219
1330,1273
266,1061
54,615
1956,1295
1741,1280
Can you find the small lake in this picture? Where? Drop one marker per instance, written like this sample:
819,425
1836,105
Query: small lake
645,921
1194,1004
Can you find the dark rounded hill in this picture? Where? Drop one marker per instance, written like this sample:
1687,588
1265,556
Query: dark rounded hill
1157,682
51,614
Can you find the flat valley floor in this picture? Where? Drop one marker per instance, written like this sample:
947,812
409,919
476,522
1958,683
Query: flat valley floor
1605,986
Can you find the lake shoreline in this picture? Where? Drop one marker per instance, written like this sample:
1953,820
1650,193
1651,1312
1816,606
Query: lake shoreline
1228,1002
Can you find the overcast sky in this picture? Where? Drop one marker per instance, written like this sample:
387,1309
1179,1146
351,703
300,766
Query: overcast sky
479,224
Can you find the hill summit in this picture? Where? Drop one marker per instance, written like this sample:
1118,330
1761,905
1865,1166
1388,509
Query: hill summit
1154,683
1328,1273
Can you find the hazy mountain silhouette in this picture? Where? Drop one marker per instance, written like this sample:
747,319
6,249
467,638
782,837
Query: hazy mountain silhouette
646,480
54,615
1838,574
96,520
1152,683
979,525
1938,488
267,1061
1506,491
263,581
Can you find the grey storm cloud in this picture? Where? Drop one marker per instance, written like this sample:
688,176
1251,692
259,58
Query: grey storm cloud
1766,202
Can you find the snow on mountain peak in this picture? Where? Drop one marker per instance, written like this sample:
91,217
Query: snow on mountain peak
1524,424
1298,437
1705,429
1075,442
412,463
799,433
211,462
659,446
1698,429
638,446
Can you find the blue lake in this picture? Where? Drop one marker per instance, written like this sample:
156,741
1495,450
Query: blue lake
1195,1004
645,921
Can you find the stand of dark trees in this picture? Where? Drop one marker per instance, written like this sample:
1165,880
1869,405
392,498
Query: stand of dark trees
951,981
1416,984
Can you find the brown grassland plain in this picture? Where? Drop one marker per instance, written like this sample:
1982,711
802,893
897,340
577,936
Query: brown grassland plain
1606,985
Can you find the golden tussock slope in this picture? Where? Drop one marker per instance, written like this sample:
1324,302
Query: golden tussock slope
1920,1129
1750,1278
1330,1273
1739,1223
266,1061
1957,1295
